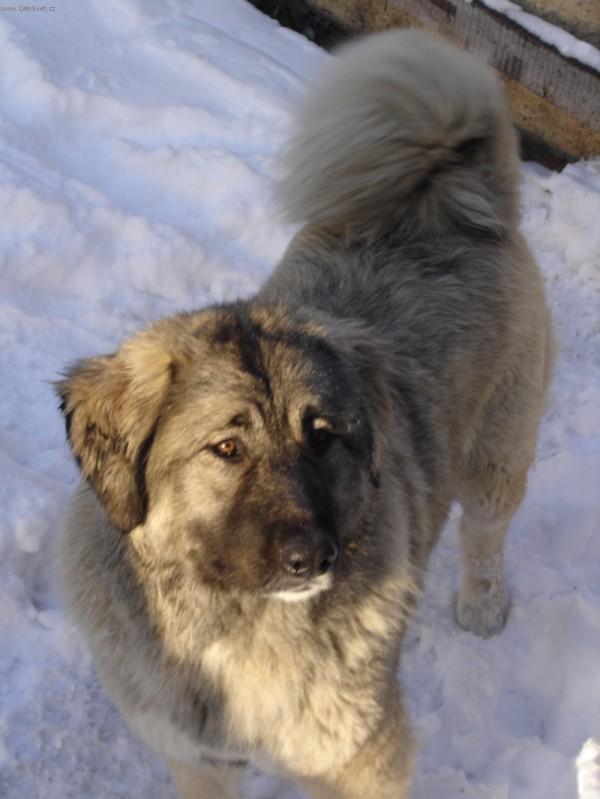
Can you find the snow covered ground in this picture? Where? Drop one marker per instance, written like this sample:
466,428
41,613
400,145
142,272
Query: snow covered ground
136,147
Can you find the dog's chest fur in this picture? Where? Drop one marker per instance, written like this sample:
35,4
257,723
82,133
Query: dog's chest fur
285,690
200,676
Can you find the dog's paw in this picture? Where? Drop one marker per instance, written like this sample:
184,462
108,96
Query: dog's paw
482,613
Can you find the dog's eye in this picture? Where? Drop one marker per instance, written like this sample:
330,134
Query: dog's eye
228,449
320,439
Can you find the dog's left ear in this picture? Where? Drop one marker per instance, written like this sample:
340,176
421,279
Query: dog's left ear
111,406
360,348
372,365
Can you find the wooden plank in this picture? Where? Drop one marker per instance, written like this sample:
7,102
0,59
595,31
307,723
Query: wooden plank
548,134
517,53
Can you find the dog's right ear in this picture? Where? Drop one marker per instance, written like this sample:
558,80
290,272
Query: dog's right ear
111,406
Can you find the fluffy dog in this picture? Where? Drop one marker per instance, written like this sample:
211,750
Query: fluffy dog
264,481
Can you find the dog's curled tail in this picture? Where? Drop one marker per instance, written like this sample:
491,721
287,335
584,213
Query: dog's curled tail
403,132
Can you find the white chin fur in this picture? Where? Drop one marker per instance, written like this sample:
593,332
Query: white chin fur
317,585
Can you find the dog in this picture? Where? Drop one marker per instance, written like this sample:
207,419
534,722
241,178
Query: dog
264,480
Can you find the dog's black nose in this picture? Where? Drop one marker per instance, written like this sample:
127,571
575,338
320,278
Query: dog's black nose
326,557
300,557
297,556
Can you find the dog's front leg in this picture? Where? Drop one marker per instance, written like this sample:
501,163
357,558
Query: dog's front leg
206,781
382,769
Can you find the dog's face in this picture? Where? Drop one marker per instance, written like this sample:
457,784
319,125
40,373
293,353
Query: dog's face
244,444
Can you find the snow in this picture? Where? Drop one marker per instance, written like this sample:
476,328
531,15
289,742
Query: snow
567,44
136,169
588,770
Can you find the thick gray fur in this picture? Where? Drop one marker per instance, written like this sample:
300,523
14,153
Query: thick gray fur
408,320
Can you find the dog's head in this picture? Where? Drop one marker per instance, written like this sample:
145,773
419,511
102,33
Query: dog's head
246,444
